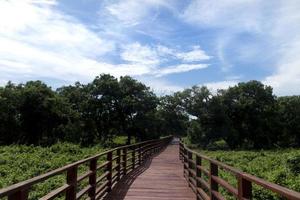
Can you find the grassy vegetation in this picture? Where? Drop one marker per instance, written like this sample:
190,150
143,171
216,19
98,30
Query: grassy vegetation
20,162
278,166
121,140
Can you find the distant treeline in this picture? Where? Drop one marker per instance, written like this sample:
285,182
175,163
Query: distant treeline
244,116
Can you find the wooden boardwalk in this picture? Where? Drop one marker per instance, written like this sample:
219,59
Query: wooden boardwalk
159,178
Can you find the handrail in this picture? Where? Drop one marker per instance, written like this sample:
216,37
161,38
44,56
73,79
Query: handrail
193,169
116,161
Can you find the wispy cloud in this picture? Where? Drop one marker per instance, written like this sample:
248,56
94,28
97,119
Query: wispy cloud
179,69
139,54
230,18
286,31
40,41
155,58
37,40
274,27
134,12
152,39
197,54
226,13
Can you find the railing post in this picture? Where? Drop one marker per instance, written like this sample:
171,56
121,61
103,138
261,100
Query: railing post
160,146
146,152
198,172
133,157
124,161
213,184
190,157
72,181
163,145
185,162
118,162
180,151
151,149
140,154
92,178
244,188
19,195
109,170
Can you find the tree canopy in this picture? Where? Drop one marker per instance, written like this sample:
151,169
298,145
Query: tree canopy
247,115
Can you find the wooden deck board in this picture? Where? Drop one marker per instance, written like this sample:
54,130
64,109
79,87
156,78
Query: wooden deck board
159,178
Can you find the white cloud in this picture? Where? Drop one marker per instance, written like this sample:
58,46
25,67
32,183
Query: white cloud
133,12
138,54
286,32
195,55
286,79
156,56
20,15
226,13
273,23
179,69
221,46
215,86
3,82
163,50
144,54
39,41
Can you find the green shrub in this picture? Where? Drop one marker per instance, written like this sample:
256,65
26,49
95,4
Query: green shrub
277,166
218,145
293,164
20,162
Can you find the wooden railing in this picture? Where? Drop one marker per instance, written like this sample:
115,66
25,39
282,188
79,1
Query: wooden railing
117,163
194,172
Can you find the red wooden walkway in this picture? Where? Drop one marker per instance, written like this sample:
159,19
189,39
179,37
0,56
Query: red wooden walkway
159,178
151,176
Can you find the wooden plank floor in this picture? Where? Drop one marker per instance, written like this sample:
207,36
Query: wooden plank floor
159,178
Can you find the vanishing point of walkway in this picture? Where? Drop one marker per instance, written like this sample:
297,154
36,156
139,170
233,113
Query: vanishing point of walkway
159,178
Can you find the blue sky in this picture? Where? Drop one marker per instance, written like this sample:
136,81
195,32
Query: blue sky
167,44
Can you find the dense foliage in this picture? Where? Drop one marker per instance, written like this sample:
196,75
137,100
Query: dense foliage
246,116
277,166
32,113
21,162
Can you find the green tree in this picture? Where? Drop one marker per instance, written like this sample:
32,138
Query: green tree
41,113
195,100
81,127
137,103
103,103
289,118
173,116
10,127
250,108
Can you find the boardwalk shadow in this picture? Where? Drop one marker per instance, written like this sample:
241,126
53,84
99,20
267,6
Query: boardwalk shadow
120,190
